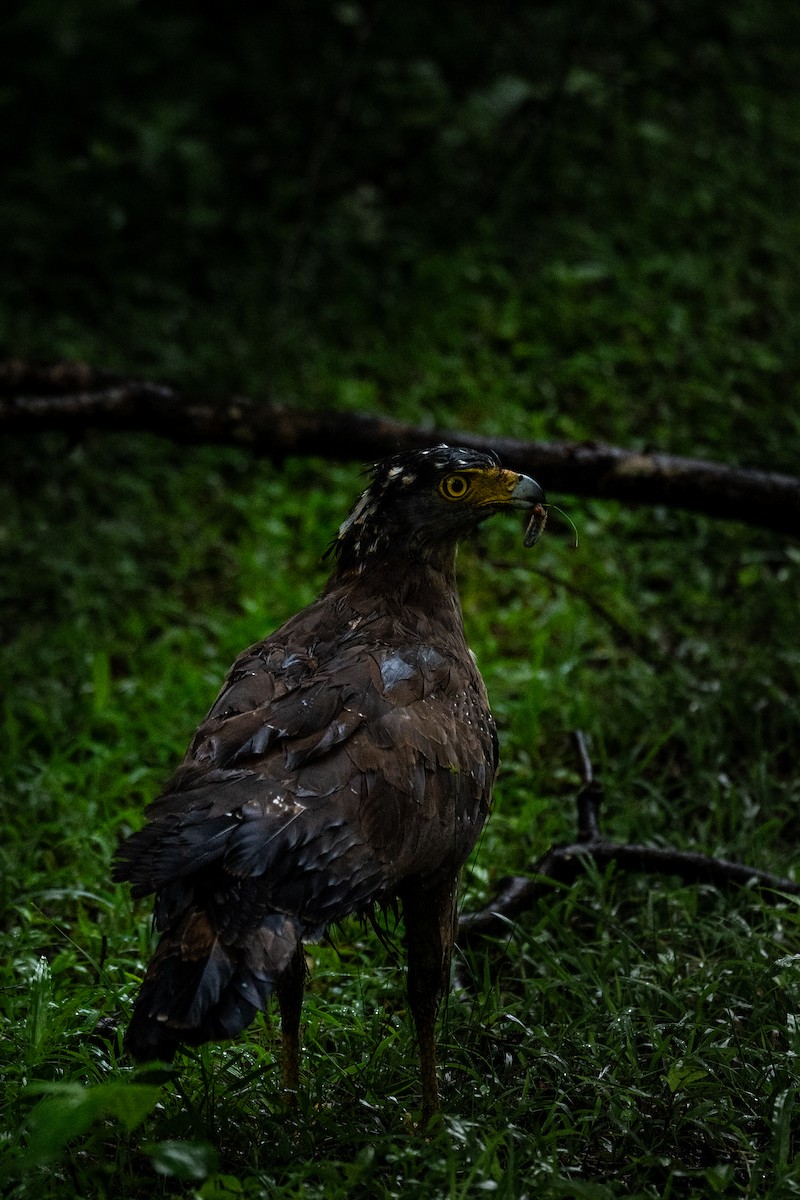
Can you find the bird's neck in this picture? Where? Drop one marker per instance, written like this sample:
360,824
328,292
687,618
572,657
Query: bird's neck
400,584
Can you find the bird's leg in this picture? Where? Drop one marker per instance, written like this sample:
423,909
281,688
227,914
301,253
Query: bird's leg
289,990
430,928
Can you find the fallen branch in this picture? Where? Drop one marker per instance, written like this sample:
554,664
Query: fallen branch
565,863
77,398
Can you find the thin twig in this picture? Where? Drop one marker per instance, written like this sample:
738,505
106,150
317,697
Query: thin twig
563,864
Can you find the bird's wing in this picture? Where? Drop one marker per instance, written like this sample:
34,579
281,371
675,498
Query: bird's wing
321,779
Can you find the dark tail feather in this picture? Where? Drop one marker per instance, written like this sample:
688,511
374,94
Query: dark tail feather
198,989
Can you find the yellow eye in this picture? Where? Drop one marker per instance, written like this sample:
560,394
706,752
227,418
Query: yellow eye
454,487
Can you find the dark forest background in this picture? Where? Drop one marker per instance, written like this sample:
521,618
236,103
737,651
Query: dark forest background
324,201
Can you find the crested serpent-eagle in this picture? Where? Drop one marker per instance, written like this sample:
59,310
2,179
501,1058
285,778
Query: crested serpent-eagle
348,761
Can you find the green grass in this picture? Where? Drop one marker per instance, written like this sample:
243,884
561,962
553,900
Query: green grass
638,1036
578,222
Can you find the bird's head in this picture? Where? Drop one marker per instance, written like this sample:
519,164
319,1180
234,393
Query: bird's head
420,503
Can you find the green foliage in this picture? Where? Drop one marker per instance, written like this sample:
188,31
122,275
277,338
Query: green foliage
562,220
72,1109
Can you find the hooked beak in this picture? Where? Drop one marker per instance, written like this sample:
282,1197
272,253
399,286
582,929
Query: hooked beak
526,493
